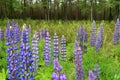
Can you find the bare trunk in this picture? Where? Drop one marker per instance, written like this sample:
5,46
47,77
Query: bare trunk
91,10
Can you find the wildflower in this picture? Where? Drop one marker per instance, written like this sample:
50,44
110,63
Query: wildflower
63,48
93,35
91,75
78,62
58,68
97,71
47,51
35,52
27,68
56,46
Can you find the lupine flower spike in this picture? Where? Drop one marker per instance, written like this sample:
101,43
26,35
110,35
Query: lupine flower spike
12,56
82,37
98,42
35,52
56,46
63,48
78,62
58,68
26,57
91,75
93,35
1,35
47,51
117,33
97,71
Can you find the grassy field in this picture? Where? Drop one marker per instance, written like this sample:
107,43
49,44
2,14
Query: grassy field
108,58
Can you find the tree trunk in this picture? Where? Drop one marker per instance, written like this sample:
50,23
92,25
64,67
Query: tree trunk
91,10
24,10
110,14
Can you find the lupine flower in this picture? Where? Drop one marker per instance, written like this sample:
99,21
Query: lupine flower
58,68
116,37
26,57
42,34
117,33
91,75
97,71
1,35
98,42
63,48
35,52
56,76
47,51
78,62
12,64
17,32
102,34
82,37
93,35
56,46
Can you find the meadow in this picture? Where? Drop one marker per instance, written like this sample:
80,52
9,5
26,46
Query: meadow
108,58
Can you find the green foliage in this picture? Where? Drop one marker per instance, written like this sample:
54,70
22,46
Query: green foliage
4,74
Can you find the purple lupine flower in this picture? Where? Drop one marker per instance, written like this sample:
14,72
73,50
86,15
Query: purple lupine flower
58,68
42,34
97,71
63,48
47,51
116,37
117,32
98,42
17,32
78,62
1,35
55,76
12,64
35,52
91,75
102,34
93,35
26,57
82,37
56,46
63,77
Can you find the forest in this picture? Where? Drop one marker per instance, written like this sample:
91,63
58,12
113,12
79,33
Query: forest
60,9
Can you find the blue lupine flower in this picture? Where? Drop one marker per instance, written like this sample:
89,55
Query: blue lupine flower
1,35
56,46
117,33
58,68
93,35
98,42
78,62
47,51
27,68
35,52
102,34
97,71
82,37
12,64
91,75
63,48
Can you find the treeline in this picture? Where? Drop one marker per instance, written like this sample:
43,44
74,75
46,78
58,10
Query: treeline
60,9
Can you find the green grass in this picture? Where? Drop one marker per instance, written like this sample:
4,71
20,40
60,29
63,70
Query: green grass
108,58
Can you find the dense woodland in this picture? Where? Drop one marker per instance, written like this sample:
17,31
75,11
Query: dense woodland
60,9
